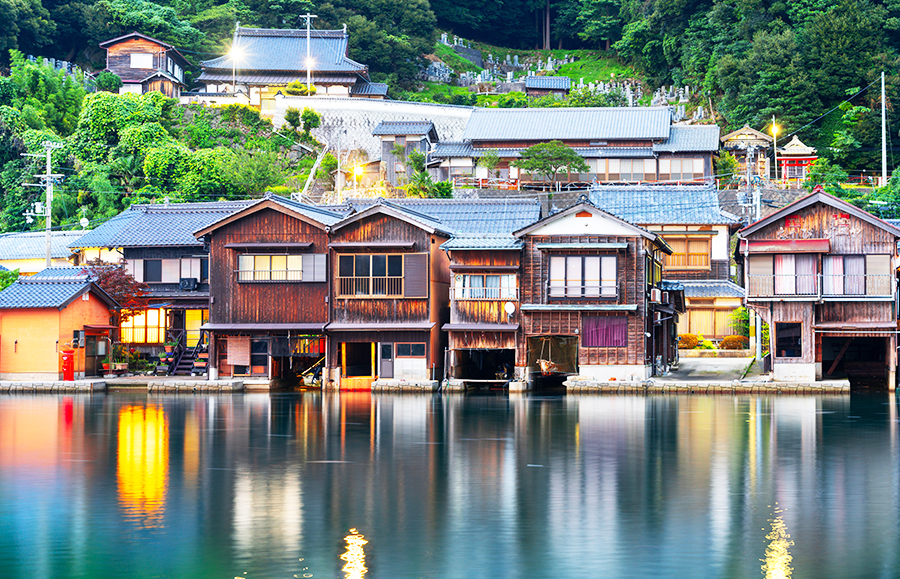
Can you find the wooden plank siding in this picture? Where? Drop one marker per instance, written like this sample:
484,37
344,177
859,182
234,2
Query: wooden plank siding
252,302
631,282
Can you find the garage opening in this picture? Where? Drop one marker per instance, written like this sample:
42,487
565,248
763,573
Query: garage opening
863,361
299,360
491,365
551,359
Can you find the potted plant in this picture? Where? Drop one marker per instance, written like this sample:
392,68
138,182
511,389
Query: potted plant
105,363
169,346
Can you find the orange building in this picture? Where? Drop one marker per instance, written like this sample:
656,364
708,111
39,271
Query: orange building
39,317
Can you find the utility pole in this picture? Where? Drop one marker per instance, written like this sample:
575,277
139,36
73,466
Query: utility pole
47,182
309,63
775,146
883,134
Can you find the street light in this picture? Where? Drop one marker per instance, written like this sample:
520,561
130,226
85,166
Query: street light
234,55
357,175
775,145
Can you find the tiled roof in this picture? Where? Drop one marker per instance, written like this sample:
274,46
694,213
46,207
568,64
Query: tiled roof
482,242
276,78
42,292
33,244
590,124
712,289
671,286
457,149
323,215
158,225
470,216
403,128
448,149
662,204
269,49
61,272
369,88
548,82
702,138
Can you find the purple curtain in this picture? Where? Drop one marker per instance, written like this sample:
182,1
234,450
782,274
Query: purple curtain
605,332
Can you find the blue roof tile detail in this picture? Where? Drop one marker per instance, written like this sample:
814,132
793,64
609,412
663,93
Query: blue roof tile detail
702,138
33,244
662,204
592,124
470,216
548,82
712,289
43,292
483,242
403,128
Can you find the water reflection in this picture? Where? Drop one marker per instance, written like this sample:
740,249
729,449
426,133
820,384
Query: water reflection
143,465
355,556
777,564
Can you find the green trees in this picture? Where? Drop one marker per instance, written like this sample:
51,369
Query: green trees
108,81
46,97
548,159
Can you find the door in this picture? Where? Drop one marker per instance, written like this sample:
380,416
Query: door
387,360
358,363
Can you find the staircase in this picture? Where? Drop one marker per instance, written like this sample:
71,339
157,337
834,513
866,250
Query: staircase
186,361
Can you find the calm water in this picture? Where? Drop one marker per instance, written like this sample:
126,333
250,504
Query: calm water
257,486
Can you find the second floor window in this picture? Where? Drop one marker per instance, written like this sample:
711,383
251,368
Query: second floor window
141,60
383,275
485,287
275,267
688,253
582,276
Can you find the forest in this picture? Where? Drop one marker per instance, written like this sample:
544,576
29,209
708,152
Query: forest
813,65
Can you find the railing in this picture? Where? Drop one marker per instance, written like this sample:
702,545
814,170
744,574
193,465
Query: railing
484,293
814,286
579,291
257,275
370,286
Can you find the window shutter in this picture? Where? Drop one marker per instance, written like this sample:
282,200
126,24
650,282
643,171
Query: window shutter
415,275
314,267
171,270
136,268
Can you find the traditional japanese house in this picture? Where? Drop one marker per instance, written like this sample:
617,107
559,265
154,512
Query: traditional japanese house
269,303
157,246
592,302
484,296
412,136
822,273
748,144
27,251
145,64
538,86
619,145
43,314
691,221
262,61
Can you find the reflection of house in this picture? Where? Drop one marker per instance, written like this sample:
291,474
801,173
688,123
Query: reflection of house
746,142
592,298
27,251
265,60
699,232
794,160
418,136
159,249
145,64
538,86
619,145
821,272
40,316
270,300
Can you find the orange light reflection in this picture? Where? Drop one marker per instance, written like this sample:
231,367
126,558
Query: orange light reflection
355,556
143,465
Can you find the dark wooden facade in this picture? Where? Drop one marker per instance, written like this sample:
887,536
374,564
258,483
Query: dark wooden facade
847,318
146,62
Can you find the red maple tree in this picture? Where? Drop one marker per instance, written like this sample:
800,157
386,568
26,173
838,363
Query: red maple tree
121,286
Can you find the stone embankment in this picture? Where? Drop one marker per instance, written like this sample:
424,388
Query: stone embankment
579,386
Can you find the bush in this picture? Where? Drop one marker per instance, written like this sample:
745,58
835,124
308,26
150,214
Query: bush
735,343
705,344
687,341
108,81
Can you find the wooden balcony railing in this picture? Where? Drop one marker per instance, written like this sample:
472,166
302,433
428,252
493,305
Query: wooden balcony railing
265,275
367,286
579,291
687,260
815,286
484,293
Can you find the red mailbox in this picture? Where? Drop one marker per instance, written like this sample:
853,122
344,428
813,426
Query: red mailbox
68,364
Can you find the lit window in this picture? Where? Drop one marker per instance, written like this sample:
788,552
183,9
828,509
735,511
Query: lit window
147,327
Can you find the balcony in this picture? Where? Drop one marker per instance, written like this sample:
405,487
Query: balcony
484,293
557,290
370,286
814,287
267,275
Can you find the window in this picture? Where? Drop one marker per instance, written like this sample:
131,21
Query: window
783,275
383,275
485,287
788,342
141,60
414,350
152,270
583,276
146,327
399,167
281,267
856,275
605,332
162,270
631,170
204,269
682,169
688,253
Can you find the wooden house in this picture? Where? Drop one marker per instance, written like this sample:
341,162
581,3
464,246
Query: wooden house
45,313
145,64
619,145
691,221
262,62
157,246
412,136
592,300
748,143
269,303
822,273
538,86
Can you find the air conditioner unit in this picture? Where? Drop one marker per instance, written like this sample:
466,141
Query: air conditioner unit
655,295
665,297
188,284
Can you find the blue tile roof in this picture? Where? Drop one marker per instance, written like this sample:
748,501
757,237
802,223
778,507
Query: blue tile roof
591,124
158,225
712,289
33,244
548,82
37,292
403,128
369,88
700,138
269,49
485,242
662,204
61,272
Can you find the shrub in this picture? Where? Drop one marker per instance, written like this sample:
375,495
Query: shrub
108,81
706,345
735,343
687,341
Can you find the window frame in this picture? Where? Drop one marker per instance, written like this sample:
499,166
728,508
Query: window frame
393,289
566,295
463,290
134,62
257,275
779,327
410,345
686,239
